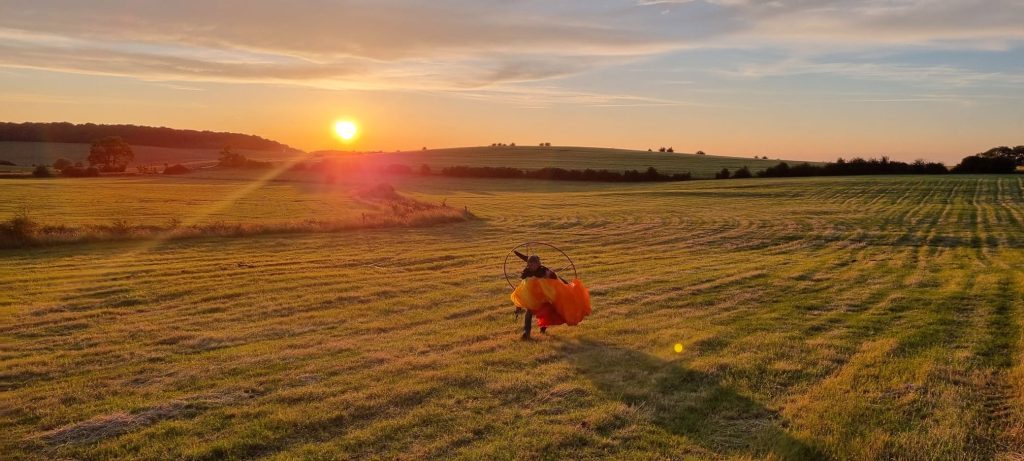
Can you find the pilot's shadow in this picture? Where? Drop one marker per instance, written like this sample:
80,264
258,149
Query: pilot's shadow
687,402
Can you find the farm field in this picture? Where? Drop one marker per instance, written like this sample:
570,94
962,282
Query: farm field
819,318
532,158
25,154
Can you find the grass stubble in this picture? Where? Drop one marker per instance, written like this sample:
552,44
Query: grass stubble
847,318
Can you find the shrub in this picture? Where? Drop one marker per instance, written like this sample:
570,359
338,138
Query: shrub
398,169
41,172
62,163
700,152
7,163
724,174
20,229
425,170
742,173
177,169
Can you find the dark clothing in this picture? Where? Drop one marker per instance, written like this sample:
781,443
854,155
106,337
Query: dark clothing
541,272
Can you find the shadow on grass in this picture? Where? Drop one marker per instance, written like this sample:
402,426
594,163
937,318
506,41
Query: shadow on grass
687,403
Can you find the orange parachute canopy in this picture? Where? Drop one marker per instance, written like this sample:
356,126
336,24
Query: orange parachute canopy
552,301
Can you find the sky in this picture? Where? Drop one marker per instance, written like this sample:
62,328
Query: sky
796,79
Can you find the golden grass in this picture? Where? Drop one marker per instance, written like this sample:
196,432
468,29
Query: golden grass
820,318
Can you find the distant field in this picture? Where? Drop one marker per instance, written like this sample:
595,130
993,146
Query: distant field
847,318
45,153
526,157
155,200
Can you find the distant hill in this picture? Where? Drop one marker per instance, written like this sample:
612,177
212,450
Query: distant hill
26,154
63,132
578,158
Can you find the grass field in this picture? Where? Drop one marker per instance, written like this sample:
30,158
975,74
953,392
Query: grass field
25,154
532,157
845,318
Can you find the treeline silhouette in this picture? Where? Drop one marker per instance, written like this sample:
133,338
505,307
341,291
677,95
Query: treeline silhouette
854,167
557,174
134,135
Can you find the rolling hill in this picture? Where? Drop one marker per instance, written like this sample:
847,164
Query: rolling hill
568,157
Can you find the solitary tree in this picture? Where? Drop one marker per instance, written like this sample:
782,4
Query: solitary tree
700,152
110,154
232,159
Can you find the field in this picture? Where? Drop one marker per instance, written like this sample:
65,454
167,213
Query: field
845,318
25,154
527,157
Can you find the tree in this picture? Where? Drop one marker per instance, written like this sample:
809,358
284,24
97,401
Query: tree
61,164
670,150
724,174
700,152
1013,153
232,159
979,164
742,173
41,172
110,154
661,149
425,170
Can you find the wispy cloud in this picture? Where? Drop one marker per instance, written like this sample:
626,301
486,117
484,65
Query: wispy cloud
451,45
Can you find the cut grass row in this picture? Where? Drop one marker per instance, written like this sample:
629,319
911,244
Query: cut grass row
851,318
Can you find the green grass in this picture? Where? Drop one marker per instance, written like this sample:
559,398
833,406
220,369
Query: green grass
527,157
847,318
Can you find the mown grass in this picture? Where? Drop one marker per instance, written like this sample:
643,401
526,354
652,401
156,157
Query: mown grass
846,318
378,206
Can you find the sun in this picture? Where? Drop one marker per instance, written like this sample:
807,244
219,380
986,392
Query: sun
345,129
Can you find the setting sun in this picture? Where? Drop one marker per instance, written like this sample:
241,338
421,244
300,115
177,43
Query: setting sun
345,129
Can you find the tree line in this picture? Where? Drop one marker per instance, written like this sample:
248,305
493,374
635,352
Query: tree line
133,134
651,174
998,160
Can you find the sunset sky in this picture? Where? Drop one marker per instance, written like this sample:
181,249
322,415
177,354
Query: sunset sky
788,78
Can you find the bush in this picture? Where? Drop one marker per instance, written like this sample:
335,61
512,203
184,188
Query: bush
398,169
7,163
78,172
425,170
177,169
742,173
724,174
62,163
20,229
41,172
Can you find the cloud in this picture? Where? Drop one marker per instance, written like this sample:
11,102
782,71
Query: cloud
453,45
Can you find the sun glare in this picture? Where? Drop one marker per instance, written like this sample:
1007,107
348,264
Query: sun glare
346,130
